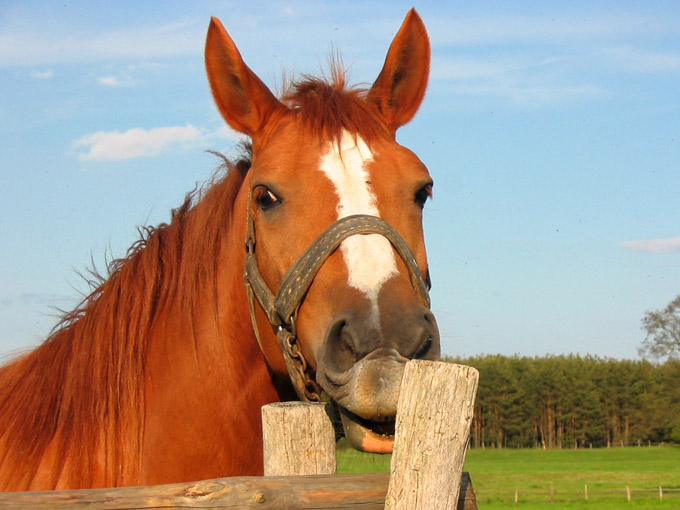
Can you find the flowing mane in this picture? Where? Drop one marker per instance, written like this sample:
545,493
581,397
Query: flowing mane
82,387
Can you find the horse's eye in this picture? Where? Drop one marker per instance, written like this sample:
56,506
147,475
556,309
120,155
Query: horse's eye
423,194
265,198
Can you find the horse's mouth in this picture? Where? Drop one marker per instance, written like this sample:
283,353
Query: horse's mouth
374,435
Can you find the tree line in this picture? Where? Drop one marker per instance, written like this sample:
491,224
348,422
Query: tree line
574,401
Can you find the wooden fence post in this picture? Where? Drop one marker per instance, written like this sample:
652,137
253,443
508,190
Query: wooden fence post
298,439
434,413
552,492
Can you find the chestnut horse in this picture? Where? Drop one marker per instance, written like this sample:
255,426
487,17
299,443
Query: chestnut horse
159,375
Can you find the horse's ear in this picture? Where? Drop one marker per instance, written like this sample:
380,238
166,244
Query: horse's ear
401,85
244,101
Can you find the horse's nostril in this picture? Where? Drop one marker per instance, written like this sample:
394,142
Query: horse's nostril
342,342
347,340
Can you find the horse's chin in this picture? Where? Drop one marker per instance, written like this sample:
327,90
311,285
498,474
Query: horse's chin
373,436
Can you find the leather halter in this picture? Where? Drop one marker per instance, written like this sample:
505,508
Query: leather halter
282,309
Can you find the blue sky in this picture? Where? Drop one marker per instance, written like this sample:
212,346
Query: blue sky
552,131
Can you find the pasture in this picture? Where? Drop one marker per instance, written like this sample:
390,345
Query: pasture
497,474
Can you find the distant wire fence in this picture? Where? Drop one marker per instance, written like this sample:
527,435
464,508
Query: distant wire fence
551,494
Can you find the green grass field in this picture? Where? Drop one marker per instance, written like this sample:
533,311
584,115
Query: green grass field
498,474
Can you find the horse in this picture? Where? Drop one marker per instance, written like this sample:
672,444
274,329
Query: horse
301,272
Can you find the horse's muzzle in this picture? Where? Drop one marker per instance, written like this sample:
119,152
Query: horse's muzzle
362,369
366,396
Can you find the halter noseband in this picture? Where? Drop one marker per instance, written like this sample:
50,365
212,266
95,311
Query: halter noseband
282,309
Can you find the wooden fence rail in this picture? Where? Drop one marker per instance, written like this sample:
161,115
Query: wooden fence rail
323,492
432,431
552,494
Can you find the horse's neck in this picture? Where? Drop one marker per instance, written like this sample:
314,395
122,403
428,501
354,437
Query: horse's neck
206,380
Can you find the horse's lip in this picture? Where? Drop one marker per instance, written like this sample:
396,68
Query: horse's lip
375,435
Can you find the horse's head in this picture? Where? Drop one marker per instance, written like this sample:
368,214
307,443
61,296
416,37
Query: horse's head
322,154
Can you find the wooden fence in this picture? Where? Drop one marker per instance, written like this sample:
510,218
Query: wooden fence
432,432
552,493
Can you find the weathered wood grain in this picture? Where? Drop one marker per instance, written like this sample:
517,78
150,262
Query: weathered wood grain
319,492
244,493
434,413
298,439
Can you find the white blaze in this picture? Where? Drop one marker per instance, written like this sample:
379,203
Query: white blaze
369,258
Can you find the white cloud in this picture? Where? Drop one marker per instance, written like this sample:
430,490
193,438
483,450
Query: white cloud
115,81
669,245
138,142
127,76
42,75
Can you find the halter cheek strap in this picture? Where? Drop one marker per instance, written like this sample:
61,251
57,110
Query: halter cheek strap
282,309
